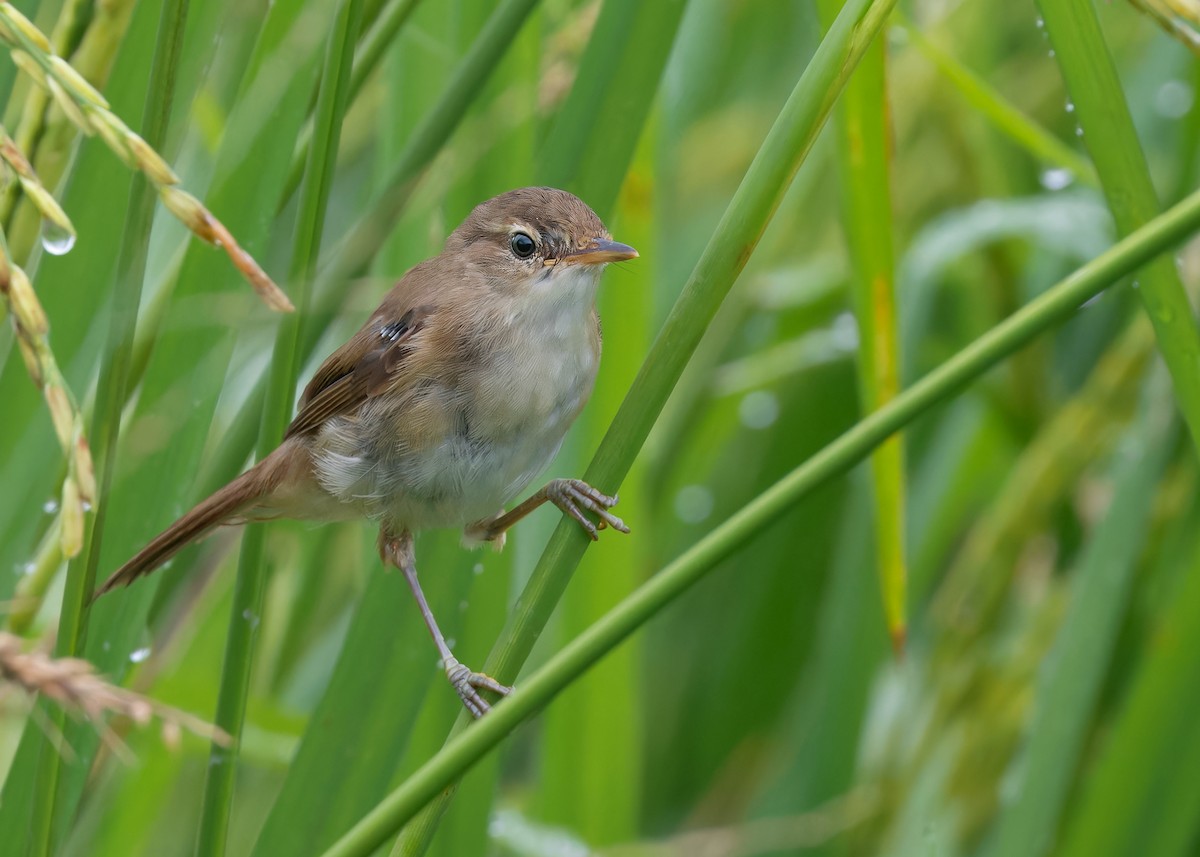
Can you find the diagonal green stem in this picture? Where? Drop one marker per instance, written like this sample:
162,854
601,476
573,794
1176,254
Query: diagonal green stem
277,405
111,393
851,448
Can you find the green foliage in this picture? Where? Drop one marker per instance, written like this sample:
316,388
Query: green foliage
1042,496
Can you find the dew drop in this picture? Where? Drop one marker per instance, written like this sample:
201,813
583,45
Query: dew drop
139,655
249,616
56,240
844,332
1173,99
1078,130
759,409
478,569
1050,53
1070,106
693,504
1056,178
28,568
86,505
1041,25
450,641
50,507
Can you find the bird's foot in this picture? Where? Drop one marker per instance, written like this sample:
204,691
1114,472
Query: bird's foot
467,685
572,496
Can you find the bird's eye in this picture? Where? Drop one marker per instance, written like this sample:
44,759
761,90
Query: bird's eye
522,245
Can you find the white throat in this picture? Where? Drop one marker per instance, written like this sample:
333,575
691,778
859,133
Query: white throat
562,298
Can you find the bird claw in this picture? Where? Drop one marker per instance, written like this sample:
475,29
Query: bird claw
467,685
572,496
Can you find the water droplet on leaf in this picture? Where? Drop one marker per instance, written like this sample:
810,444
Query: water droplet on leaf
758,409
56,240
1056,178
693,504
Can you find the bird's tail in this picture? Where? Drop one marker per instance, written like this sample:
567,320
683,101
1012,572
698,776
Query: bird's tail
226,505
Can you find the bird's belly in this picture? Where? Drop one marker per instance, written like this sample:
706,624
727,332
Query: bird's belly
451,455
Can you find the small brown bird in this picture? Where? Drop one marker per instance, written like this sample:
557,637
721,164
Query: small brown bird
453,396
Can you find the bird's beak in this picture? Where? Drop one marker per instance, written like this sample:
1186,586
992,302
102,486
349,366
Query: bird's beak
600,252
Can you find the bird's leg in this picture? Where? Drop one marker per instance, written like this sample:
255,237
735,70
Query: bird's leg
398,551
572,496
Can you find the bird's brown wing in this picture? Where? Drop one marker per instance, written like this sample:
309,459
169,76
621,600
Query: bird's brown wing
364,367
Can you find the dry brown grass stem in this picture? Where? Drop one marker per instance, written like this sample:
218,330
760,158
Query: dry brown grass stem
74,684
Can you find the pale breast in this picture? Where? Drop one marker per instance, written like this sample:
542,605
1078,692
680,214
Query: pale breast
451,451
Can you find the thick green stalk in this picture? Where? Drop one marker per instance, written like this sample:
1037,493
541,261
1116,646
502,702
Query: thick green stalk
277,407
745,219
111,394
1109,134
864,161
849,449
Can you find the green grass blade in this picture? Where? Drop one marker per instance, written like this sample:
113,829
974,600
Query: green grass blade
1110,136
277,408
1071,683
851,448
1141,796
864,159
114,376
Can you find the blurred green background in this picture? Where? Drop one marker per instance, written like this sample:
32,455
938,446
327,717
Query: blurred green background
1046,516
